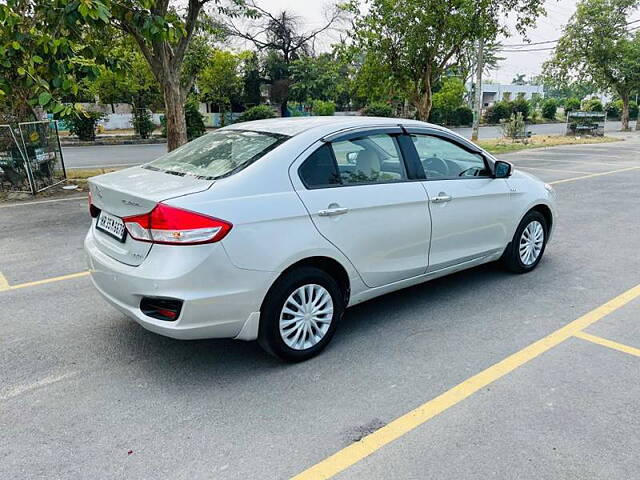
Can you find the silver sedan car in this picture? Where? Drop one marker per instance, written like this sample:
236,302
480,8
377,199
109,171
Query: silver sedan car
269,230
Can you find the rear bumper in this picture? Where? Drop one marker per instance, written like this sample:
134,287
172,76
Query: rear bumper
219,298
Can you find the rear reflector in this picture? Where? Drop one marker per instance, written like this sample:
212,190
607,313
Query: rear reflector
175,226
93,210
167,309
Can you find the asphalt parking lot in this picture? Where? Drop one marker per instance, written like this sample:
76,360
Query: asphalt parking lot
482,374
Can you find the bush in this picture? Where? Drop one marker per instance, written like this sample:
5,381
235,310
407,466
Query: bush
613,109
498,111
593,105
195,120
633,110
83,125
549,108
513,127
259,112
521,105
323,109
142,123
571,104
378,109
462,116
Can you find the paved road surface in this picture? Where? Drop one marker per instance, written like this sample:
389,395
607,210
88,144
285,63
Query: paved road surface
127,155
86,393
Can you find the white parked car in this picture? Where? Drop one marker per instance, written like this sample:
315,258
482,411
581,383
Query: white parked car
270,229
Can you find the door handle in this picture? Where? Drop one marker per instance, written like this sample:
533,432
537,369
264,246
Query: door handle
332,212
441,198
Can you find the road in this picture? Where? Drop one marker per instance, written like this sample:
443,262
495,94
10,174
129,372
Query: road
128,155
86,393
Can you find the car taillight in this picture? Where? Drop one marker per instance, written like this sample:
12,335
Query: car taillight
93,210
174,226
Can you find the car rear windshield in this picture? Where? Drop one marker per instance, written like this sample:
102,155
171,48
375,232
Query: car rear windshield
218,154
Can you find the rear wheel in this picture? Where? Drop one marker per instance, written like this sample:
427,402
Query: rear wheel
527,246
300,314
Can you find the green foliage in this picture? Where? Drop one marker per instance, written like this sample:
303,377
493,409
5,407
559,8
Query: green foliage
599,49
258,112
251,79
613,109
83,124
593,105
514,127
45,52
323,108
498,111
463,116
220,82
194,119
633,110
571,104
378,109
418,41
314,78
142,123
521,105
549,108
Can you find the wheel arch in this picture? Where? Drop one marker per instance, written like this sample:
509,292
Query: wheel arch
330,265
546,213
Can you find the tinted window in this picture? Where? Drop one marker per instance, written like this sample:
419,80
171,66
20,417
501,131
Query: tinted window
443,159
218,154
319,169
371,159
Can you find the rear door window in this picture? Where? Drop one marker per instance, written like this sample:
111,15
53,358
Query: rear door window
319,170
218,154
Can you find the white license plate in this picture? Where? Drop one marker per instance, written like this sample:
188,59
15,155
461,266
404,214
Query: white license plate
111,225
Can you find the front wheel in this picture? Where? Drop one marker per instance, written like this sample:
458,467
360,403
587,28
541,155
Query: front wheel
300,314
527,246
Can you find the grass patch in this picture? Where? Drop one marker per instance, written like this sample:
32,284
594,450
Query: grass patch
503,145
78,174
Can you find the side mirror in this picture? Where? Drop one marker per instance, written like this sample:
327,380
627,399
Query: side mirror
501,169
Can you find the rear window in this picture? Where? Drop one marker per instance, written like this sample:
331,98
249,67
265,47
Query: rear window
218,154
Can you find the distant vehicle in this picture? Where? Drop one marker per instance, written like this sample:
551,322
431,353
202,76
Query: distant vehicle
269,229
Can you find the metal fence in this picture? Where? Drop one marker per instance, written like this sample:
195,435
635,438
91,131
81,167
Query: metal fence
14,174
31,157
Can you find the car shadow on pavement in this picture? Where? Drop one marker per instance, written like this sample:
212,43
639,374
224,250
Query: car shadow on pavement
228,361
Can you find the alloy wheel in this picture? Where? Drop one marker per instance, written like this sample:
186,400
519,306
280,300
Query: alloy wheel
306,317
531,243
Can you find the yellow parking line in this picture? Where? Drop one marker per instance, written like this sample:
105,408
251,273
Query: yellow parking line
593,175
355,452
4,285
608,343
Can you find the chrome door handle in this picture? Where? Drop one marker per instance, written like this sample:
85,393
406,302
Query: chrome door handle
441,198
332,212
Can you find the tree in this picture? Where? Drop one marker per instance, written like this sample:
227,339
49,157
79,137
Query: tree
519,79
314,78
549,107
45,54
596,46
251,79
281,36
220,81
420,40
163,33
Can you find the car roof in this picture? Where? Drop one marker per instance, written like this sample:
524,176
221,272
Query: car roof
292,126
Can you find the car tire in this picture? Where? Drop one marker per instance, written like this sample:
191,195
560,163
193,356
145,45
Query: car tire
315,322
525,250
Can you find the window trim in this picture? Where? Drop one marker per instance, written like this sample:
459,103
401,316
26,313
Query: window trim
447,137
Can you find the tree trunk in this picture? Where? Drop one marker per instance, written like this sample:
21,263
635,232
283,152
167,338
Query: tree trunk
423,105
284,107
624,118
174,113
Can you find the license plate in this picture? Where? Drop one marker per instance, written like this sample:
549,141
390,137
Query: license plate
111,225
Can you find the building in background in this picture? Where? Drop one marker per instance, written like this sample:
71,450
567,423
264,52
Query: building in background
494,92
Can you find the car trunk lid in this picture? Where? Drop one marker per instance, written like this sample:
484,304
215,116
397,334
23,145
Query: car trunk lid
135,191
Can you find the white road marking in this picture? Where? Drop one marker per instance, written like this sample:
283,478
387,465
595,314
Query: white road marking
22,389
39,202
